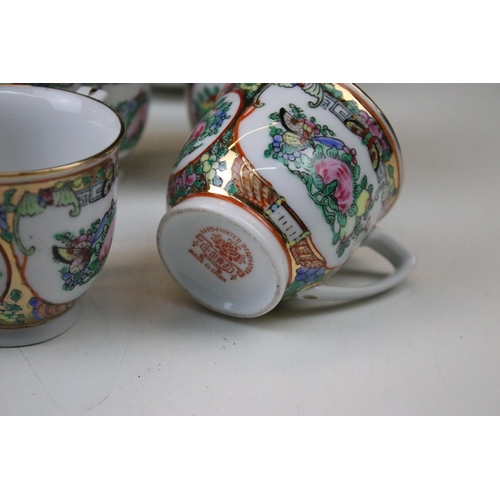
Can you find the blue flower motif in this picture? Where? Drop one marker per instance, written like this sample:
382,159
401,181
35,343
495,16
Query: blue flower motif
283,150
307,275
34,303
71,280
3,219
221,115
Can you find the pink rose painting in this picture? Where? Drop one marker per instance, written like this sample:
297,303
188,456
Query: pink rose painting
329,170
328,167
196,133
180,183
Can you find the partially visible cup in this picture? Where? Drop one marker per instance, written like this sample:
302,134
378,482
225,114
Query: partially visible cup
130,100
58,172
276,187
201,98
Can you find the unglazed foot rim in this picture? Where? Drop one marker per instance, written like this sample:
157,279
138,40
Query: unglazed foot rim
29,335
224,256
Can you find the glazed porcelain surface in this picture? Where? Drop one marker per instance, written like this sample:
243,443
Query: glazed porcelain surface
58,170
130,100
201,98
318,164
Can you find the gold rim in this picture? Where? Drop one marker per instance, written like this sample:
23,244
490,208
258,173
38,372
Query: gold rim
74,165
370,104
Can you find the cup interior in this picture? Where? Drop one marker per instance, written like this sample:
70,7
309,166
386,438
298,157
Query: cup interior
42,128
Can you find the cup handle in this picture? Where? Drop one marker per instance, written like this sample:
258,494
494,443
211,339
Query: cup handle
400,257
99,94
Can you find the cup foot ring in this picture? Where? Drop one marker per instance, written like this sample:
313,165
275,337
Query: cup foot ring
224,256
29,335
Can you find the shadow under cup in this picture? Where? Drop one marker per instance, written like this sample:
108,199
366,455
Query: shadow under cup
58,170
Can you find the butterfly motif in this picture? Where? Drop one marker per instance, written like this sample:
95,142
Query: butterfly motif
78,253
301,134
373,145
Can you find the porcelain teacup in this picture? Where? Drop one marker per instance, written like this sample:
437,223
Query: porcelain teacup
276,187
130,100
58,171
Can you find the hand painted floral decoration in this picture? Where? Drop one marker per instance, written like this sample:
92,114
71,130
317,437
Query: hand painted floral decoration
310,150
330,174
83,255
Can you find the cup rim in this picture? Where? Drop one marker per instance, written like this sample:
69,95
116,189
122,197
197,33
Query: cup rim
73,165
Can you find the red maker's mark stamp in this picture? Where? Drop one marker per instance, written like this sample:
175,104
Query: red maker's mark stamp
222,253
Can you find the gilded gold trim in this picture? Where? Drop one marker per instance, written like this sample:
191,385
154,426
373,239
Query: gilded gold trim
258,195
255,193
69,166
368,105
15,254
249,208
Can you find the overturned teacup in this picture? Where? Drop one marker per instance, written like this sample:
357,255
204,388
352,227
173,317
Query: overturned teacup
58,168
274,190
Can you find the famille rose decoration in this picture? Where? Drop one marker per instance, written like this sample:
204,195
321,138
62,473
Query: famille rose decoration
273,191
58,177
201,98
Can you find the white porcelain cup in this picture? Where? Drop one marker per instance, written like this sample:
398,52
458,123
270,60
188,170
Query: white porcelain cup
58,170
129,100
274,190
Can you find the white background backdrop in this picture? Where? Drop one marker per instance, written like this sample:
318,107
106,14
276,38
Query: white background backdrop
431,347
